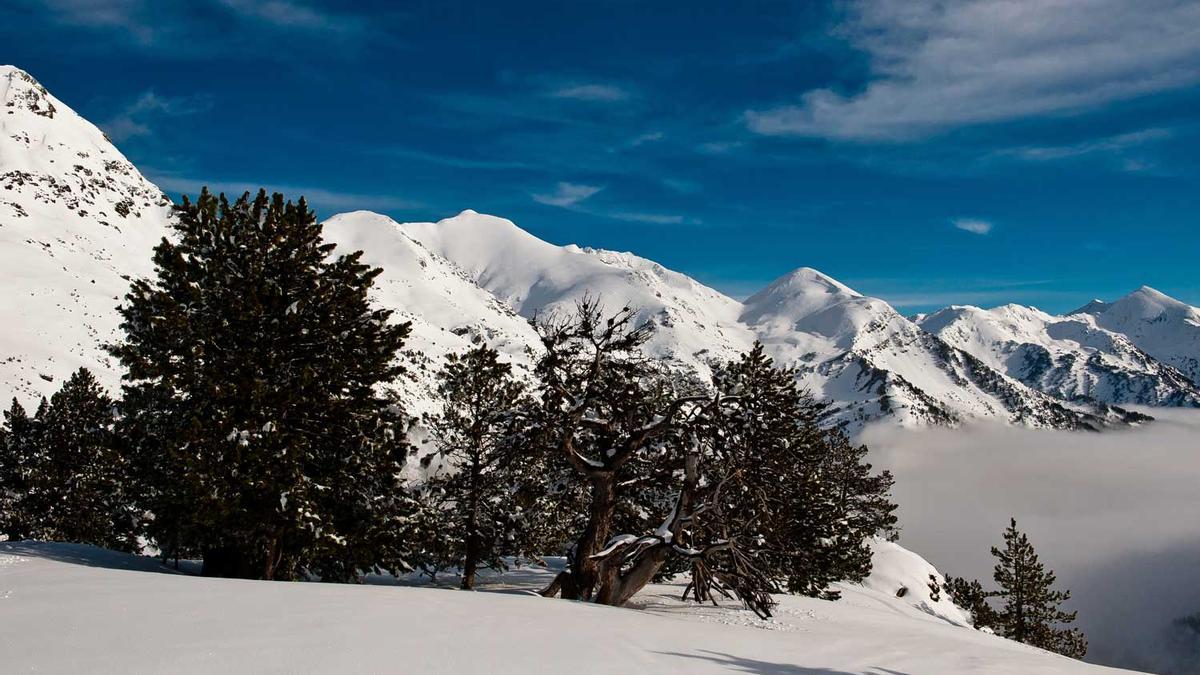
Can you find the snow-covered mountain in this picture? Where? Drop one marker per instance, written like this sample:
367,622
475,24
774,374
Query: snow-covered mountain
448,311
76,221
693,323
1161,326
857,351
874,363
1069,357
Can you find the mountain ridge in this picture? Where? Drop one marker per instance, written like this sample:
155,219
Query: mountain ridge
77,221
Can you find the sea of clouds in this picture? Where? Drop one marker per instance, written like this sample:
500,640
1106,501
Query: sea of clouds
1115,514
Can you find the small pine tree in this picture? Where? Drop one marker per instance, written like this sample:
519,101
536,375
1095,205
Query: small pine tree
17,445
970,596
253,396
474,488
1030,612
65,474
84,469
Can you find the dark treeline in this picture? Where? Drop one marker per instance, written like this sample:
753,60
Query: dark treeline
255,431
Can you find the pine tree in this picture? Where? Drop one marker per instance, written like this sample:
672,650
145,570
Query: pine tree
83,471
804,494
1030,612
474,489
971,596
253,397
17,445
65,474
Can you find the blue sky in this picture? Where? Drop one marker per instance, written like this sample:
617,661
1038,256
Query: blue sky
924,152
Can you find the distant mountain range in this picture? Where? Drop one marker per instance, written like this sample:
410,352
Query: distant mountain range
77,220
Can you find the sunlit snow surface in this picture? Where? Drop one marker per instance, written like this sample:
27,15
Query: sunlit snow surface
73,608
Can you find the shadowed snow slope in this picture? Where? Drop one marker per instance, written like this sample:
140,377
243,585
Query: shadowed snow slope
76,220
79,614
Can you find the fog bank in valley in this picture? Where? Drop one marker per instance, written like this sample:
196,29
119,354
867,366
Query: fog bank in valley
1115,514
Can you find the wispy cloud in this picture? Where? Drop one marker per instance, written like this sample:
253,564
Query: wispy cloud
972,225
1111,144
135,118
937,66
286,14
206,26
453,161
566,194
681,186
653,218
719,147
643,139
326,199
599,93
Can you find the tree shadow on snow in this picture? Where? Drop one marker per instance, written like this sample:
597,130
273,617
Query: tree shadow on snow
83,554
759,667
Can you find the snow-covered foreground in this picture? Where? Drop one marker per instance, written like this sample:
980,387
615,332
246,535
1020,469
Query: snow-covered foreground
73,608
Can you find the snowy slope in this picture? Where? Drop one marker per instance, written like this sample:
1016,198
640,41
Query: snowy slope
448,311
693,323
1161,326
87,610
1067,357
76,219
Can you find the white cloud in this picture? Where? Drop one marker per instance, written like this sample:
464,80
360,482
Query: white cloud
600,93
1113,513
972,225
567,194
939,65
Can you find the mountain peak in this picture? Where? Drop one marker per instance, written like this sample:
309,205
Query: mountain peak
18,90
807,280
795,295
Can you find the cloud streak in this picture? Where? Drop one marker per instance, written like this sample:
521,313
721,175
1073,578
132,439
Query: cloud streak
972,225
595,93
937,66
566,194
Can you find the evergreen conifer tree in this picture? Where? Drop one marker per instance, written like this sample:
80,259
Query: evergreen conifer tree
971,596
475,487
65,474
252,398
17,445
804,493
1030,611
82,470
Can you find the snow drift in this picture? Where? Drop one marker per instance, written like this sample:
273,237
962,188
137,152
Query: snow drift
84,609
